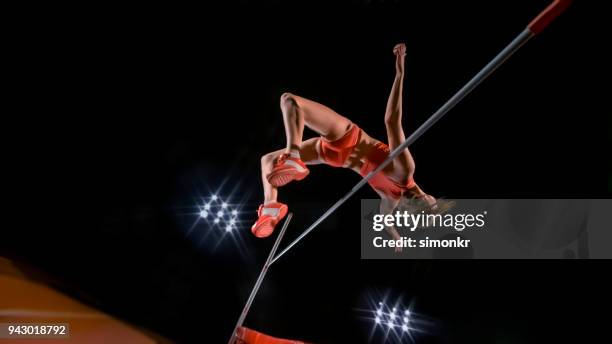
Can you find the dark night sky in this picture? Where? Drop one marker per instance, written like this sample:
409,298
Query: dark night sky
141,110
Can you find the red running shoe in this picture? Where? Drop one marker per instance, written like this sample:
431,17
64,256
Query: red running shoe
286,169
269,216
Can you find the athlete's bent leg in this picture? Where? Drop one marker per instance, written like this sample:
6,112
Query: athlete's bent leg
271,212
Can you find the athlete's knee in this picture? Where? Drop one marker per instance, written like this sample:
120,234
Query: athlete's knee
267,159
288,100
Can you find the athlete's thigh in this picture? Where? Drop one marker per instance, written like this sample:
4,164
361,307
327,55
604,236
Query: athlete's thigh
320,118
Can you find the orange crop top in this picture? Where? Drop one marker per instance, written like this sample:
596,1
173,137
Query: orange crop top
335,153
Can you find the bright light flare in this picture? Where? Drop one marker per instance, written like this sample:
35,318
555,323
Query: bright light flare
217,220
219,211
394,322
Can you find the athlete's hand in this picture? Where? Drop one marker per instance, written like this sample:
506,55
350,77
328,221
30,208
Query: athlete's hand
399,50
400,53
395,236
387,206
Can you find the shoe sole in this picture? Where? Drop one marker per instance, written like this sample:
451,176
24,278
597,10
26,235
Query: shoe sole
282,178
267,227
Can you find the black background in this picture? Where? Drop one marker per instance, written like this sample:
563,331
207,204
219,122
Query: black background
134,112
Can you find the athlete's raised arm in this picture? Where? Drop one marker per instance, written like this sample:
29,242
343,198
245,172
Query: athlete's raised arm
393,112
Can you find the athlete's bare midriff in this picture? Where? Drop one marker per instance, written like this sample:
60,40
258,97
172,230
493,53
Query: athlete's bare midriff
358,157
